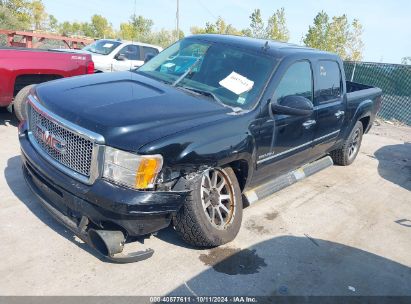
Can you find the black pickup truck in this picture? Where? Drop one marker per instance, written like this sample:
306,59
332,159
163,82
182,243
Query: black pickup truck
188,138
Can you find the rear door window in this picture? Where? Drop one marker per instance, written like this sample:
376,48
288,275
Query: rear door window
148,50
131,52
329,81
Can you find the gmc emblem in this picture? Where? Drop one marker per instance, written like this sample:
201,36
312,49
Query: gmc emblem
51,140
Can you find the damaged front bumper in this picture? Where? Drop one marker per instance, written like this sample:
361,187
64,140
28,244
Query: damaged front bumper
100,206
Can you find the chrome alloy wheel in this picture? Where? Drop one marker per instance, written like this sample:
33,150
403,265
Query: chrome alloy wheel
217,197
354,145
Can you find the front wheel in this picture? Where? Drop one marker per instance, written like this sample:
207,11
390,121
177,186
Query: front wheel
351,146
212,213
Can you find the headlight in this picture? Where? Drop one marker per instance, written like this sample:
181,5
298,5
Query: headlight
131,170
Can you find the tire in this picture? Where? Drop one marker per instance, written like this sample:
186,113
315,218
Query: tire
19,103
195,223
348,152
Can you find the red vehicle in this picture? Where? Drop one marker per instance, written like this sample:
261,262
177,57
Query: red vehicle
22,68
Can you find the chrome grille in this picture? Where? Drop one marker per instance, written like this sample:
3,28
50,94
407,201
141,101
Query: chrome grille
78,151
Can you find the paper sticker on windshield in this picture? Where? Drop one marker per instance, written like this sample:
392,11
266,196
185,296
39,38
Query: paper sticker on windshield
108,45
323,71
241,100
237,83
168,65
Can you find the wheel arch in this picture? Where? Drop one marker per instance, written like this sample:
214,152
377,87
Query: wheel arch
241,171
365,120
24,80
363,114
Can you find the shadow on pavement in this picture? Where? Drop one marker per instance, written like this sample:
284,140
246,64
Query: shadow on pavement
15,180
394,164
290,265
7,118
170,236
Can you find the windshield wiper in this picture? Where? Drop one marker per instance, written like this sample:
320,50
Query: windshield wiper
205,93
186,72
212,95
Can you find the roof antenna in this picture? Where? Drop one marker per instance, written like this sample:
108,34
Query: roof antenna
266,47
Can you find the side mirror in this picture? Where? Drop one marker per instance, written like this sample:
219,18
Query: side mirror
148,57
121,57
293,105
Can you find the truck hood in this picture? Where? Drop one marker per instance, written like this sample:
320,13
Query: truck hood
127,109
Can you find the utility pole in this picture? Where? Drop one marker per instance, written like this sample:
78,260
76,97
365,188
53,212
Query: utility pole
178,20
134,19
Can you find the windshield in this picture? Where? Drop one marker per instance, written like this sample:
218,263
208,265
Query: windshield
103,47
230,75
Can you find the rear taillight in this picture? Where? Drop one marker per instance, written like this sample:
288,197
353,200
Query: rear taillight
90,67
378,103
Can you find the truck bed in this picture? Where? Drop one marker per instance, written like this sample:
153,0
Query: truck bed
8,48
359,91
21,67
368,96
356,86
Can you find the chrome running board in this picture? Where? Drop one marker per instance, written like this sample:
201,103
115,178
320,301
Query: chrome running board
287,179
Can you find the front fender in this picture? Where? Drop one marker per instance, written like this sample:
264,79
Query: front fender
206,146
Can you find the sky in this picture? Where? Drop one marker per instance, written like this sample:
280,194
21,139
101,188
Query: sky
387,24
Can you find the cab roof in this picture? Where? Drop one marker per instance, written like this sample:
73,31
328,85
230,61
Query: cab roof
271,47
132,42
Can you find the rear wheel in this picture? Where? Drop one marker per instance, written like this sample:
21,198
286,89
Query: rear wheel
348,152
212,213
20,104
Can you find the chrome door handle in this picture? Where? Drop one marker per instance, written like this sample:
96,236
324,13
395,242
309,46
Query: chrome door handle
339,114
309,123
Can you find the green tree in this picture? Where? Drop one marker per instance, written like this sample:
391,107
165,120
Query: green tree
142,26
246,32
210,28
231,30
277,27
219,27
8,21
257,25
223,28
138,28
77,29
38,15
65,28
318,32
53,24
20,10
355,45
87,29
127,31
101,27
180,34
163,38
338,36
406,60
